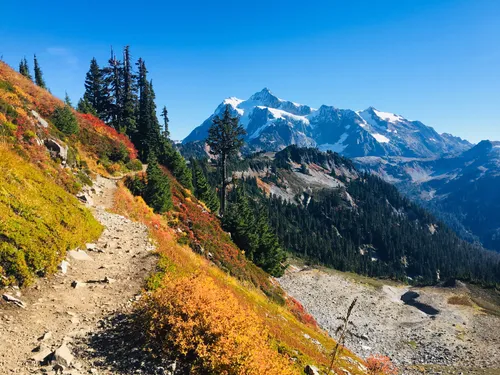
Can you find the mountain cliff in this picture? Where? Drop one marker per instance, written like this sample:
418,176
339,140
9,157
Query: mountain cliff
273,123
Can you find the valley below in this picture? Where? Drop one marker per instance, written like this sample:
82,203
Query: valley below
435,330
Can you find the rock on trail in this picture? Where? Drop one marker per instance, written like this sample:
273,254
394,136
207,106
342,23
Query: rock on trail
53,331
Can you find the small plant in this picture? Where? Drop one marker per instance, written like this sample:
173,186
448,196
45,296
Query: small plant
342,332
380,365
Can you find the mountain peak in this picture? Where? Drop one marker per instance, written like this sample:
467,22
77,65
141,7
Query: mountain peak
266,97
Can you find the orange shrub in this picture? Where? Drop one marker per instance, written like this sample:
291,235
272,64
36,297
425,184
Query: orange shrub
204,323
380,365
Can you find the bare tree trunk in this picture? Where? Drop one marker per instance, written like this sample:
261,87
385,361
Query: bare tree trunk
224,185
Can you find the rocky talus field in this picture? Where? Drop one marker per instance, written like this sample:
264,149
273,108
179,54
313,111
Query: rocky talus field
438,331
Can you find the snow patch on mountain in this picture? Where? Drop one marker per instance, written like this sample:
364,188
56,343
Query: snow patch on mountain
380,138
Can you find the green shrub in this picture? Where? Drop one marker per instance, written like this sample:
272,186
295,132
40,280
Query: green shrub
64,120
134,165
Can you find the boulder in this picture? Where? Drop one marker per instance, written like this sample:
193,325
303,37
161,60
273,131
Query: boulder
79,255
63,267
57,149
40,120
63,356
42,354
311,370
13,300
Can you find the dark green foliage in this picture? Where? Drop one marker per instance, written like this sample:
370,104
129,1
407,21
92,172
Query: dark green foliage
202,190
164,114
129,96
157,192
24,69
67,100
113,78
136,184
385,235
249,227
134,165
225,138
173,160
64,120
38,74
96,92
84,106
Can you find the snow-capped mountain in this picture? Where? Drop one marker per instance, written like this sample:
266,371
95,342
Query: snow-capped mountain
273,123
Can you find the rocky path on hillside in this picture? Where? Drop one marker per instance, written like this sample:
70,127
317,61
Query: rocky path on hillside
81,320
432,336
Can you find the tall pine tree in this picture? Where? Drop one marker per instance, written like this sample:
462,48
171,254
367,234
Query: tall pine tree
225,138
38,74
113,78
164,114
129,96
96,92
157,193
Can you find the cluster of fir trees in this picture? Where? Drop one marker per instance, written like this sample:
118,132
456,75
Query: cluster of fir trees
154,187
202,189
248,222
25,71
124,98
383,235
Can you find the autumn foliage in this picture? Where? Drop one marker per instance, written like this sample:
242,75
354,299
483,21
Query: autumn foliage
380,365
204,322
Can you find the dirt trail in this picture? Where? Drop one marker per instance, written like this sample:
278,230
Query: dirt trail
85,309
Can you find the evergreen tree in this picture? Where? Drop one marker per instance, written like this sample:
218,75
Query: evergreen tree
38,74
225,138
84,106
202,190
113,79
164,114
129,96
24,69
157,193
64,120
67,100
148,136
96,92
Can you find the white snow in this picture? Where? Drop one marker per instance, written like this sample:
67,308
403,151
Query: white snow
278,113
386,116
234,102
339,146
380,138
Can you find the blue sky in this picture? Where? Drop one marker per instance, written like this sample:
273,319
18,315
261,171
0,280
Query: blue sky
437,61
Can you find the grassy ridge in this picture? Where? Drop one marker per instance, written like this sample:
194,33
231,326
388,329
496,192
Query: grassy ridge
39,221
239,329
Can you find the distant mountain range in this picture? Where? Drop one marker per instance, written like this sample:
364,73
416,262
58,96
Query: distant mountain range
458,181
273,123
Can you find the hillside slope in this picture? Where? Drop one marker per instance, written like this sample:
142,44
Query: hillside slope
461,189
324,209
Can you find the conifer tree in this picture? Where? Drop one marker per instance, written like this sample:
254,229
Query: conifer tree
96,92
113,78
24,69
202,190
157,193
129,96
148,137
225,138
164,114
38,74
67,100
84,106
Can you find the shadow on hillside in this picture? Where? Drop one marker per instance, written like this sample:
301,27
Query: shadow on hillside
120,345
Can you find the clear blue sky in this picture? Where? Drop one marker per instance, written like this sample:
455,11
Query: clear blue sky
437,61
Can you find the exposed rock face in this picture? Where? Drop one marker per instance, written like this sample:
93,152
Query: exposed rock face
57,149
40,121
